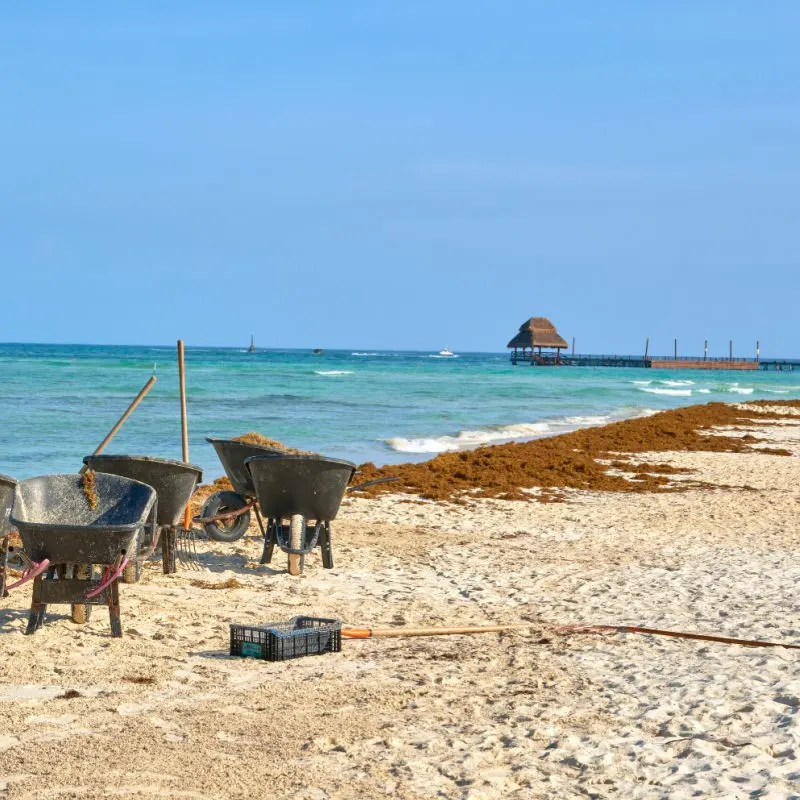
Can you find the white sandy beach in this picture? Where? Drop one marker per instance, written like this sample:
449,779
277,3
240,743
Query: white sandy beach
165,712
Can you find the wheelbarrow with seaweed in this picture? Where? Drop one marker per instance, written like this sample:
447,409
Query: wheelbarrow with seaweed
73,527
225,515
174,483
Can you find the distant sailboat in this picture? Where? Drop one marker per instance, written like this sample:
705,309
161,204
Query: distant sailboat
252,347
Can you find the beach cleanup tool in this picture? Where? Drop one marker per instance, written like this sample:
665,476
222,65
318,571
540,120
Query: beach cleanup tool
184,534
128,411
225,515
174,483
306,636
299,495
7,487
68,527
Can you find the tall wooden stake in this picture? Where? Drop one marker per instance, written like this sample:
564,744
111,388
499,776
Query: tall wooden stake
128,411
730,350
705,350
187,517
758,351
573,345
646,347
676,349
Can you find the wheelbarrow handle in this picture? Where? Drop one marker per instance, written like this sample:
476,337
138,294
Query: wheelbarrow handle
371,483
226,515
33,571
113,571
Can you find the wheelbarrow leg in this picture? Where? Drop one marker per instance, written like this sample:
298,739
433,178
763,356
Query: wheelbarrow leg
325,545
168,550
113,609
270,539
38,608
3,567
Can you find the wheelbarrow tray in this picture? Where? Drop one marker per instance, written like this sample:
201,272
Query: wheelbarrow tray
55,521
173,481
7,487
310,485
233,454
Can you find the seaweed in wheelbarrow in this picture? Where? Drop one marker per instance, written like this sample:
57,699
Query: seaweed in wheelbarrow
226,514
61,534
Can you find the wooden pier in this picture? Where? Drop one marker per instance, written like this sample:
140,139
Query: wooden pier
655,362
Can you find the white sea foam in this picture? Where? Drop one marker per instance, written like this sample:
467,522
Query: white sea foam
587,421
703,391
333,372
677,383
467,440
437,355
363,354
776,391
741,389
642,383
671,392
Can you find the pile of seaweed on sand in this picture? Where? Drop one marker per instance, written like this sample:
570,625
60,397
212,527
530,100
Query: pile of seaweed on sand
583,459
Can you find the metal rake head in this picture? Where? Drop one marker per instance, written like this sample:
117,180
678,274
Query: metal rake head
186,549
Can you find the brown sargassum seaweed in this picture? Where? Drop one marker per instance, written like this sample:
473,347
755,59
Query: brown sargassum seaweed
584,459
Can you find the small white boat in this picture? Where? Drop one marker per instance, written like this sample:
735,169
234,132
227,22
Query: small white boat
446,352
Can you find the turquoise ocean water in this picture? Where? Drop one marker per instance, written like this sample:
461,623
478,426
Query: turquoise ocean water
58,401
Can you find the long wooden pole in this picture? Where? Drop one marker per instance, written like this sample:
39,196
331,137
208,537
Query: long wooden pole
187,516
372,633
646,347
121,421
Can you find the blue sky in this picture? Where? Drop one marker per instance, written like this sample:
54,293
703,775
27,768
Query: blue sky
401,174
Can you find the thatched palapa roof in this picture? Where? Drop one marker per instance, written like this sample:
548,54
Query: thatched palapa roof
537,332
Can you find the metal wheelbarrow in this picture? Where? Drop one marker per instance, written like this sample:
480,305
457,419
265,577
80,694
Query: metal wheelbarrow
174,483
225,515
299,495
63,537
7,487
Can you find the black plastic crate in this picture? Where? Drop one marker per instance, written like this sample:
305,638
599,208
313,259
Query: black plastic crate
279,641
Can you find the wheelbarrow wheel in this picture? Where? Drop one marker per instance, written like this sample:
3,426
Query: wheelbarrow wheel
225,530
297,525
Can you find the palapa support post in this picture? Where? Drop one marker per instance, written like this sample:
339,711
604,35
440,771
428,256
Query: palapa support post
573,345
